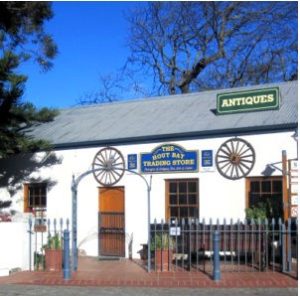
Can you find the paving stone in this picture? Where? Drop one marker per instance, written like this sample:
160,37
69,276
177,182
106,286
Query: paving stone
32,290
128,274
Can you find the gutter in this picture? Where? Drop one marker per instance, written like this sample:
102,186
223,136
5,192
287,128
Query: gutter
178,136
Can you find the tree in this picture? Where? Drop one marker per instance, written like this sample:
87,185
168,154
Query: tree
22,32
110,84
21,37
192,46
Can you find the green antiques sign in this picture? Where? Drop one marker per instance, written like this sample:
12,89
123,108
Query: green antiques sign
246,101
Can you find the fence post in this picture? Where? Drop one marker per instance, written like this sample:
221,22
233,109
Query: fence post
283,238
155,243
273,246
66,256
183,231
266,244
289,246
189,246
30,232
216,242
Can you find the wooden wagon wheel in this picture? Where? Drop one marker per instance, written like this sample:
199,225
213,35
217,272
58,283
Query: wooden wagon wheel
235,159
108,166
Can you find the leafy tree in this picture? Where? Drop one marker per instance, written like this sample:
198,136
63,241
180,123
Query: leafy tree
180,47
21,37
5,204
22,32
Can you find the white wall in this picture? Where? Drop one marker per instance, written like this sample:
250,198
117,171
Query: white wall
218,197
14,246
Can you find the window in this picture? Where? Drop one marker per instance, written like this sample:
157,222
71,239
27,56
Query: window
182,199
35,197
266,192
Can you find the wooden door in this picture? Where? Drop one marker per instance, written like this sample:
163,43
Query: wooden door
111,222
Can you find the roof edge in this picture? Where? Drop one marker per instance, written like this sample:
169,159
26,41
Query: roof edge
178,136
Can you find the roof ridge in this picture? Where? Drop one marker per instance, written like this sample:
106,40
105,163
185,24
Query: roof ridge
129,101
170,97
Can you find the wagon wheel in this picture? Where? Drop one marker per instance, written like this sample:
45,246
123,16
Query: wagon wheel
235,159
108,166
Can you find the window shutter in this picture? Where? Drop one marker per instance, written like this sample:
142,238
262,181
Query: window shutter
26,197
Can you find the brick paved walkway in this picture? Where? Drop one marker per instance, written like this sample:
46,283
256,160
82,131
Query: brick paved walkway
130,274
32,290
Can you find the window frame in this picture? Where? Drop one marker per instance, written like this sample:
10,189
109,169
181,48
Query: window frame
262,179
167,196
28,208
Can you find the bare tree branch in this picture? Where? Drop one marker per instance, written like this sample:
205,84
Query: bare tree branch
179,42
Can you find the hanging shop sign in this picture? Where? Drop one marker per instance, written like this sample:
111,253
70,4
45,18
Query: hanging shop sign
175,231
246,101
169,158
132,161
293,187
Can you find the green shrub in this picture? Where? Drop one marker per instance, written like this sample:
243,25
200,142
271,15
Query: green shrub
54,242
257,212
162,241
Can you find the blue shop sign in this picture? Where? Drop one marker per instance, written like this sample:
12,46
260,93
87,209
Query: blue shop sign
132,161
169,158
206,158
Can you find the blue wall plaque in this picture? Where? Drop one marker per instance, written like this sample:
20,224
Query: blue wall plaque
132,161
169,158
206,158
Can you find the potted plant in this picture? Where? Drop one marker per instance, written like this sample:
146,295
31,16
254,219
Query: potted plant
53,253
163,246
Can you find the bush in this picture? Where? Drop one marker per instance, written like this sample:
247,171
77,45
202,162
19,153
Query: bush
54,242
257,212
162,241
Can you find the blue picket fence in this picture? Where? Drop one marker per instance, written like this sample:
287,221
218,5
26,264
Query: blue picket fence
46,234
188,245
248,245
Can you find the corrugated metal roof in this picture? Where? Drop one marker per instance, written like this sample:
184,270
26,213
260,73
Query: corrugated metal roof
165,117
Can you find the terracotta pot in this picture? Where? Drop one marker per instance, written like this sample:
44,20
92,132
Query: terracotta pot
163,259
53,260
40,228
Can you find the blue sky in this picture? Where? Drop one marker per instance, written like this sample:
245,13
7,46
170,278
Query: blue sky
91,39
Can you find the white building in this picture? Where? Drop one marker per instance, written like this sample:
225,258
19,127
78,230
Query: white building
178,141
